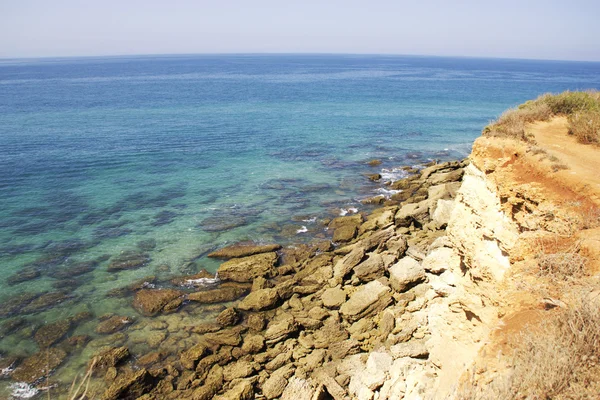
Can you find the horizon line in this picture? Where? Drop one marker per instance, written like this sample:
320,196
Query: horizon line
2,58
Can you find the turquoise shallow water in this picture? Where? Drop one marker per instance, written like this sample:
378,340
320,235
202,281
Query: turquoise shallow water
189,153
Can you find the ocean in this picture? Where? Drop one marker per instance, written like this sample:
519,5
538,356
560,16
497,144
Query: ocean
170,157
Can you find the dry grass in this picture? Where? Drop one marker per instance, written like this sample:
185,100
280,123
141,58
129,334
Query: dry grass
561,265
558,166
557,360
581,108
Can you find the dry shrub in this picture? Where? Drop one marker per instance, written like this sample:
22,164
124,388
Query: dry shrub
557,360
562,265
509,124
559,166
591,218
535,150
585,126
568,103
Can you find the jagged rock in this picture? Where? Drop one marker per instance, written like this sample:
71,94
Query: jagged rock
38,365
49,334
256,322
212,384
259,300
205,327
220,295
374,177
370,269
343,266
150,302
340,349
275,385
333,298
413,212
239,369
331,332
253,344
319,313
368,300
406,273
113,324
440,259
445,191
228,317
129,385
345,228
190,357
277,330
110,357
247,268
279,361
414,349
226,337
446,177
300,389
244,390
243,250
379,219
442,213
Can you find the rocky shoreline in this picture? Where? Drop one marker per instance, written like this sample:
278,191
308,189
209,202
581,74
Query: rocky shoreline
351,317
347,319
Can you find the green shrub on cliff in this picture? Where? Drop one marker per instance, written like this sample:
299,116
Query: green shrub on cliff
581,108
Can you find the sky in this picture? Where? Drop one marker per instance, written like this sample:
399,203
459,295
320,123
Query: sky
535,29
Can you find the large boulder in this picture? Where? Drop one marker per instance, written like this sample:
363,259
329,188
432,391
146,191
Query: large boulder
442,213
345,228
245,269
343,266
259,300
370,269
244,250
366,301
406,273
150,302
413,212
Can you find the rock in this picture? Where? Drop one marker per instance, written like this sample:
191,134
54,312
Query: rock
275,385
300,389
243,390
23,276
253,344
313,360
333,298
191,356
228,317
447,177
413,348
49,334
238,369
319,313
247,268
366,301
442,213
277,330
343,266
150,302
201,279
436,168
212,384
259,300
406,273
413,213
110,357
374,163
374,177
333,388
38,365
341,349
345,228
113,324
445,191
130,259
256,322
379,219
226,337
44,302
331,332
129,385
220,295
11,325
243,250
204,327
370,269
279,361
440,259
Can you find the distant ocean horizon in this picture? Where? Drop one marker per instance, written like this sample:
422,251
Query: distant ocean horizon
165,158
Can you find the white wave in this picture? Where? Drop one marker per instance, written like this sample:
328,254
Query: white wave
393,174
349,210
202,281
313,219
22,390
302,230
387,192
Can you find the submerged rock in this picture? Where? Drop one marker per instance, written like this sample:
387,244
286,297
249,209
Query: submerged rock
45,301
150,302
110,357
49,334
247,268
39,365
129,259
113,324
23,276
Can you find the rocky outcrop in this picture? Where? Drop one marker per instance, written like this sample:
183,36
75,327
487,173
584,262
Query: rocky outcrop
246,269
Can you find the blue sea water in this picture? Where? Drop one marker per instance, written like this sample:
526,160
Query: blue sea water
174,156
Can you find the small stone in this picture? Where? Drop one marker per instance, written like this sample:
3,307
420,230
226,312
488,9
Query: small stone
228,317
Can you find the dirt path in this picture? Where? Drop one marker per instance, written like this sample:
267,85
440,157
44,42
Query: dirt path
583,160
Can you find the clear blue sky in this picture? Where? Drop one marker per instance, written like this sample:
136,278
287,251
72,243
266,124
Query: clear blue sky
546,29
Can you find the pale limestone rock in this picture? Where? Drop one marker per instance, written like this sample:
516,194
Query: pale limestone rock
368,300
299,389
440,259
333,297
442,213
406,272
